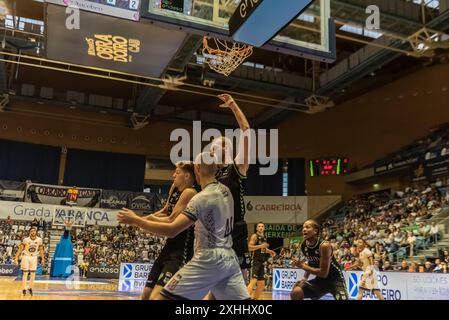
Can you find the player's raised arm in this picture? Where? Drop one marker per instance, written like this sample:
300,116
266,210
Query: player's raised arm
242,158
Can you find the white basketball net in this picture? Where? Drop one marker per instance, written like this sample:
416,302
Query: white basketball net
224,57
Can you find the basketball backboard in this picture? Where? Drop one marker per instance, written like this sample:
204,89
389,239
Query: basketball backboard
310,35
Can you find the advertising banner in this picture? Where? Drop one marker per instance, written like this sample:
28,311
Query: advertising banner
392,285
9,270
30,211
111,199
108,272
279,210
62,195
12,190
135,271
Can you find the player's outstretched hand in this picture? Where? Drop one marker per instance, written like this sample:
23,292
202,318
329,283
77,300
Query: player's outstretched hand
227,99
126,216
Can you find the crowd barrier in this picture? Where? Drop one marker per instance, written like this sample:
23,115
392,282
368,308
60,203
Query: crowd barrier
393,285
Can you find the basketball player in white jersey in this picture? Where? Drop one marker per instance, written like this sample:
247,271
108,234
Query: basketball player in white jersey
214,266
31,248
369,278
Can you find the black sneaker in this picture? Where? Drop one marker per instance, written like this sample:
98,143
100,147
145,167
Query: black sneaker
30,291
24,292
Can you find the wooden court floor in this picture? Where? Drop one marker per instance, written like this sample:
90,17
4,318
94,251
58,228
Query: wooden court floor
83,289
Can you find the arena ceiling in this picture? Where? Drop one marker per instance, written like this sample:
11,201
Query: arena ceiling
374,60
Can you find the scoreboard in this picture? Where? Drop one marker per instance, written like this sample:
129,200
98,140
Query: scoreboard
125,9
333,166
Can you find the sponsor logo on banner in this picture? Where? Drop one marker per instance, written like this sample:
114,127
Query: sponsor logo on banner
9,270
395,165
281,230
109,43
353,285
285,279
74,214
141,201
113,199
392,285
135,271
424,286
108,272
112,47
25,211
12,190
131,285
50,194
278,210
29,211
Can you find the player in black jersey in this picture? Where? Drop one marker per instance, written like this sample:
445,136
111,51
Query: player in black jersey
320,262
178,250
232,173
258,247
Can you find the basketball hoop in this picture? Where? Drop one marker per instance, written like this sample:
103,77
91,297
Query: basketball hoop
224,57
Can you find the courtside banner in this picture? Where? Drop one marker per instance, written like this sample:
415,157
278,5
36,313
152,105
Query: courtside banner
131,285
12,190
9,270
103,272
30,211
135,271
51,194
278,210
392,285
285,279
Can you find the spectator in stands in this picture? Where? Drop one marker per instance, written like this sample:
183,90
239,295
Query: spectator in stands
9,220
445,257
438,267
403,267
41,225
411,240
413,267
379,253
434,232
428,266
387,266
35,223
